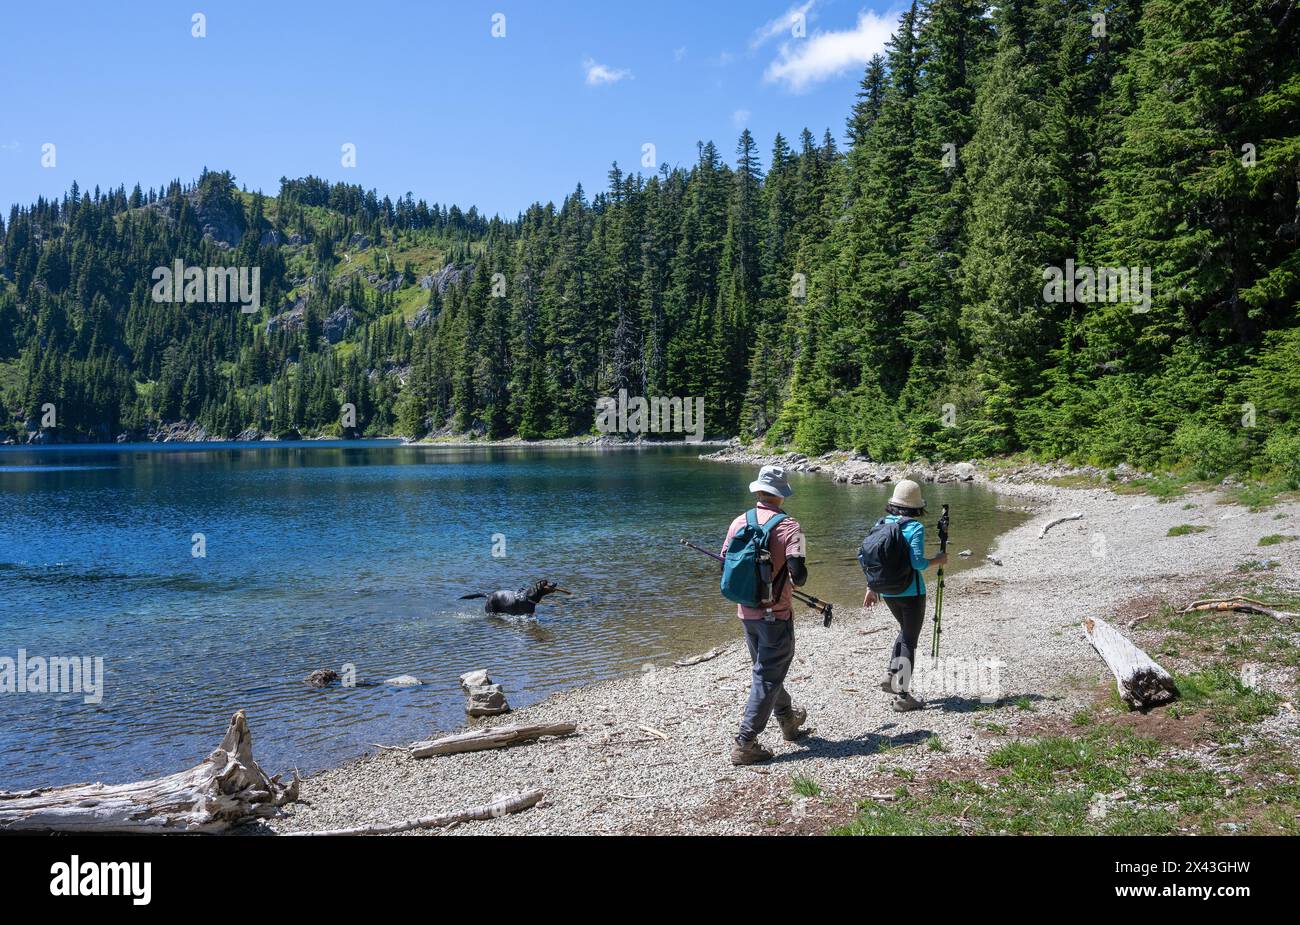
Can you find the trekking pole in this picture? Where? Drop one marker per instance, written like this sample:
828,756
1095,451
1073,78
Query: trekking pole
938,591
825,608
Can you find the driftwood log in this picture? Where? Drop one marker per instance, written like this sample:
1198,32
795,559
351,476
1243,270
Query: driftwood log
476,740
1242,604
697,659
501,806
1141,682
225,790
1077,515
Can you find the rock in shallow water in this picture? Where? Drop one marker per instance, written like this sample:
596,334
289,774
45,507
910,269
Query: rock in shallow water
404,680
322,677
484,697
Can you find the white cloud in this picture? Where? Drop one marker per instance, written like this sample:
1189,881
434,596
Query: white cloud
819,57
782,25
600,74
740,118
679,54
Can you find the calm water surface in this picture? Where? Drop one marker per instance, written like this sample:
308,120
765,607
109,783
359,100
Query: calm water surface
324,554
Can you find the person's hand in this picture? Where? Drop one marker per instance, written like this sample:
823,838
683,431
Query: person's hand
870,599
941,559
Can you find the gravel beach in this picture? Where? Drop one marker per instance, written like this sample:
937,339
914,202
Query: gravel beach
651,752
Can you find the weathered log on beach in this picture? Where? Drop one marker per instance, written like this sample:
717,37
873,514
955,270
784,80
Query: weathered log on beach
477,740
1141,682
1077,515
225,790
697,659
501,806
1240,604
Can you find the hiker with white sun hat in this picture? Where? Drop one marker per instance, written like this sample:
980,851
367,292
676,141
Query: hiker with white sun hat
893,558
768,618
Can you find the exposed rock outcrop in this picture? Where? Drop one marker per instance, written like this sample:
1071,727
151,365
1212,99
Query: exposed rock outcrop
447,276
334,327
178,432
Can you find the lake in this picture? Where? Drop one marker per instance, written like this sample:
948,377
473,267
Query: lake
325,554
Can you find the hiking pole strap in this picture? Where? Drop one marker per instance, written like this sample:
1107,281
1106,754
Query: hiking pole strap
816,603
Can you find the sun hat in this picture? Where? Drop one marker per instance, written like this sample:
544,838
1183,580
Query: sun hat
771,479
908,494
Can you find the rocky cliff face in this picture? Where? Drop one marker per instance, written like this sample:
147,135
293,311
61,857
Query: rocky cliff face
450,275
334,327
220,218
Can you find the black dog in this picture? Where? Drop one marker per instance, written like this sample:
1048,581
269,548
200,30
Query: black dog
521,603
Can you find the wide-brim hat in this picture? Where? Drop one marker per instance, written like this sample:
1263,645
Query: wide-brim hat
771,480
908,494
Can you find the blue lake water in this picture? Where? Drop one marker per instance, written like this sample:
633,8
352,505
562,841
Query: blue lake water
325,554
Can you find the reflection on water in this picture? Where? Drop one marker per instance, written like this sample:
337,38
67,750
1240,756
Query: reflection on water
320,555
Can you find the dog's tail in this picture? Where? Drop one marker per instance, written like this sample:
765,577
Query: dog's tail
466,597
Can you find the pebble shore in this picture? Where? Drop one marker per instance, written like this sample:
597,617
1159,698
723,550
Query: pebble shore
651,752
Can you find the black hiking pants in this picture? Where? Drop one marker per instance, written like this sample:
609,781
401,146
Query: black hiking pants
910,613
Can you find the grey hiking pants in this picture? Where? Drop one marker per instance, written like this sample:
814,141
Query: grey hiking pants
771,649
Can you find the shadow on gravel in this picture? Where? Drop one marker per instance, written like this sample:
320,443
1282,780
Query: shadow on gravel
869,743
974,704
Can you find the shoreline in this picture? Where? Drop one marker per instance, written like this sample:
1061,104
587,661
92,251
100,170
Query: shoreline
615,777
451,442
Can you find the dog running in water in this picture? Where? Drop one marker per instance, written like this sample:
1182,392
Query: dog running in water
521,603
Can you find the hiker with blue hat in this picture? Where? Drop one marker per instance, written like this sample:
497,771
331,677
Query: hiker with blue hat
763,559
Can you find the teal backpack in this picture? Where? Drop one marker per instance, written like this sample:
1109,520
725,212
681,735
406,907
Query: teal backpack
747,565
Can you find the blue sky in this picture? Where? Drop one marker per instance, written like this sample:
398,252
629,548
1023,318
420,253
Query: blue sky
434,103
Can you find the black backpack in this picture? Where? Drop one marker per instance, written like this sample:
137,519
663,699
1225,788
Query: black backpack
886,558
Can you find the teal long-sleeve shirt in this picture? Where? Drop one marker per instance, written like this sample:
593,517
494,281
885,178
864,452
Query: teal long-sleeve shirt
914,533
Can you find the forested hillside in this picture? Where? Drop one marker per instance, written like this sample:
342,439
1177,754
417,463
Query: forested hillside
884,292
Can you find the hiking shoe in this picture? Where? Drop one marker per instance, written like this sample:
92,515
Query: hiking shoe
750,752
904,703
887,683
791,722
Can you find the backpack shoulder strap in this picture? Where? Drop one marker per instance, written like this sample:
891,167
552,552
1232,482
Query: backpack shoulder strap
772,522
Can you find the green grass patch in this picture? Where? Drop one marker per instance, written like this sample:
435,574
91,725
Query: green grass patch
1257,565
1260,495
1274,539
805,786
1186,529
1161,487
1048,786
1102,782
1231,704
